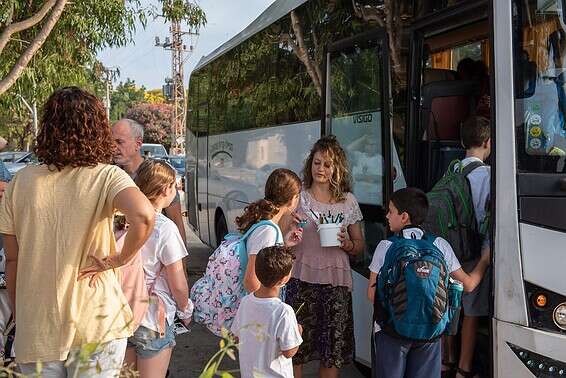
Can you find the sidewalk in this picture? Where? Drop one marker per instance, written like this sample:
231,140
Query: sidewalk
195,348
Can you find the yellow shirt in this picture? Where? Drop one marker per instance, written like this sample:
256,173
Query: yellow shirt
59,219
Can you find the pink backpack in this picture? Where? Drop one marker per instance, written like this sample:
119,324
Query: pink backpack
132,281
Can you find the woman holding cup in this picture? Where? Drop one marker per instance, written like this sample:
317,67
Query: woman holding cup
321,278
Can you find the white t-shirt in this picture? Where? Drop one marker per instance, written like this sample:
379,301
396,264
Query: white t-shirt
265,327
164,247
263,236
414,233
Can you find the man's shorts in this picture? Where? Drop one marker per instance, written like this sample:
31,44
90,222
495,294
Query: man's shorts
148,343
476,303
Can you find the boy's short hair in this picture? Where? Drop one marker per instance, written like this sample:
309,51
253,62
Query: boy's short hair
412,201
273,263
475,131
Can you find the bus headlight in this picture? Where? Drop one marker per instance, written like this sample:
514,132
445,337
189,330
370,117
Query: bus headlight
559,316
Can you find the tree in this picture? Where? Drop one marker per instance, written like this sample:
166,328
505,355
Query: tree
154,96
156,119
82,26
127,95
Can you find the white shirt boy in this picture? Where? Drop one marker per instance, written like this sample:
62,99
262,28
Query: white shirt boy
413,233
265,327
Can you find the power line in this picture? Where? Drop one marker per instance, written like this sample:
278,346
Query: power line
174,88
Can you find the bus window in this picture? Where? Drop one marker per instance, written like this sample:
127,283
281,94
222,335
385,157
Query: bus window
540,90
356,95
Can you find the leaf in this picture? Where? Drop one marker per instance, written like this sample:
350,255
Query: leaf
226,374
87,350
231,354
208,373
222,344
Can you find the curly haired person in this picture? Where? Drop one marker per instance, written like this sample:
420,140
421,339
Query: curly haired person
321,277
56,219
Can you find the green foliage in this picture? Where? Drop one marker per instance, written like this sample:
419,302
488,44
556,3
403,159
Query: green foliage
183,10
125,96
228,346
68,56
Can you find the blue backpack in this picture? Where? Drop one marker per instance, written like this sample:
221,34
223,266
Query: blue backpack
412,298
217,295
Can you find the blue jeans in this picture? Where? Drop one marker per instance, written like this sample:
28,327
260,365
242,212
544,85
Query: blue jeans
148,343
398,358
105,362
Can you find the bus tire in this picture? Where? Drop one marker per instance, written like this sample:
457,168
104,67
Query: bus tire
220,228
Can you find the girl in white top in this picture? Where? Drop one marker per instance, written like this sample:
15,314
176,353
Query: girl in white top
162,256
281,199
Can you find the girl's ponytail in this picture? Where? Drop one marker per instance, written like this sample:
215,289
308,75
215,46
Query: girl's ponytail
255,212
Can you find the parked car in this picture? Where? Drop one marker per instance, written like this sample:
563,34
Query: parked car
153,149
24,159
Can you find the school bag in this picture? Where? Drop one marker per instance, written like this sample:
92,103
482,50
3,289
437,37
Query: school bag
412,296
217,295
451,212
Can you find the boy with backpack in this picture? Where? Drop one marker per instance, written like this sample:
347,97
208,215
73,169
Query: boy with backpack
265,325
476,140
410,288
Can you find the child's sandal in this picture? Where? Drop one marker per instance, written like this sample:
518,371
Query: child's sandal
466,374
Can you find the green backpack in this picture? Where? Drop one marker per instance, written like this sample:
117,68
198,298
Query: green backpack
451,212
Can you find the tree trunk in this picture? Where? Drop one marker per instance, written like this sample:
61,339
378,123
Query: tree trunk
302,53
35,45
17,27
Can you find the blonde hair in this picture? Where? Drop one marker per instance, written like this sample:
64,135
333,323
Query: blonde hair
341,180
153,177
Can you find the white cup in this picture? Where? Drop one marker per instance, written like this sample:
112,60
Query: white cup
328,233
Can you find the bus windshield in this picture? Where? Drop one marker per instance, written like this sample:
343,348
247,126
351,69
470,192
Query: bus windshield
539,34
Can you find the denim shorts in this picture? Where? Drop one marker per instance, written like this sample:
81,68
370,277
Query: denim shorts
148,343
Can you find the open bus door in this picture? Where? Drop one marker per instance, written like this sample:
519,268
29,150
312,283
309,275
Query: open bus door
357,113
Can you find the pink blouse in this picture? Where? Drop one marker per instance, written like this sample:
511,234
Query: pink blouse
324,265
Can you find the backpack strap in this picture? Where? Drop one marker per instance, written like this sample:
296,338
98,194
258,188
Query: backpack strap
243,252
264,222
471,166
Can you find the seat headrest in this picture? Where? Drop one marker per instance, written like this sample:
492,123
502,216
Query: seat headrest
437,74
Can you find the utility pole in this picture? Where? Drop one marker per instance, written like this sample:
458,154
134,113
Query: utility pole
109,74
176,90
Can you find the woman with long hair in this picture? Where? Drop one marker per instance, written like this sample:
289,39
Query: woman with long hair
321,280
55,217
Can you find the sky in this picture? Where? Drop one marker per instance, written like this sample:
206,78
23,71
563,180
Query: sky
149,65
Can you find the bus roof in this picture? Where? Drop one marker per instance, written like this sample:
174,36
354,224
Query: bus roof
273,13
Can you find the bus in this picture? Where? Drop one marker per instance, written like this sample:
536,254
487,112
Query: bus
388,79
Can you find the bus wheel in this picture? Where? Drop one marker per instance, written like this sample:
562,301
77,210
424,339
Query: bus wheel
220,228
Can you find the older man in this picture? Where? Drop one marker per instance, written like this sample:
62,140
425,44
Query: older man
128,138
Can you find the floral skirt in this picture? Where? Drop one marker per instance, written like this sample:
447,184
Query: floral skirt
327,320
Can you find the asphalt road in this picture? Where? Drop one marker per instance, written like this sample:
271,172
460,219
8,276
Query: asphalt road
195,348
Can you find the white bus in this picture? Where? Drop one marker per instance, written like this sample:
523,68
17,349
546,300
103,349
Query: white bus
383,77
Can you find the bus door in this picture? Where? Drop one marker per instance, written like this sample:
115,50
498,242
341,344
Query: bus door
202,172
357,113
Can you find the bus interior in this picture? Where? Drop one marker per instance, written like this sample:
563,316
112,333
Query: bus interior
452,82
